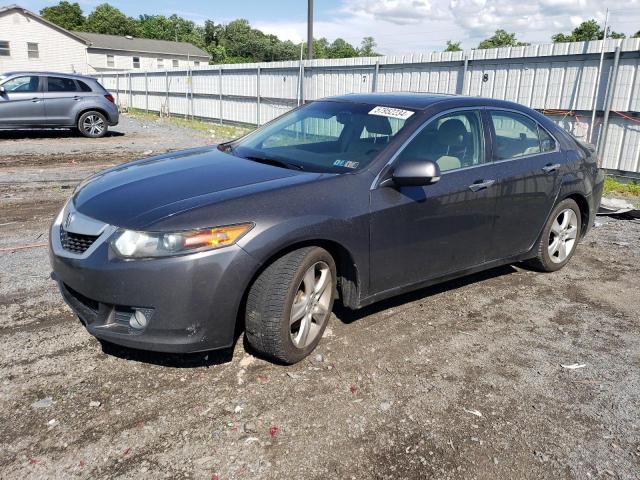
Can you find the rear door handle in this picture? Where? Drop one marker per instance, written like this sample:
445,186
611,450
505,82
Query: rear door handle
551,168
480,185
35,99
77,98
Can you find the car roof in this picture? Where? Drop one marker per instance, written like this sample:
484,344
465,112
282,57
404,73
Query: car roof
48,74
421,101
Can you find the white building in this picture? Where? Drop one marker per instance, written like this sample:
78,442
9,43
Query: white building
29,42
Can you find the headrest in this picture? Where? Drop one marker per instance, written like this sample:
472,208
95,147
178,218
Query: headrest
451,132
377,124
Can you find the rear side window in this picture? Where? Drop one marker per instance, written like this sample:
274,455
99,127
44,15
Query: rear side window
516,135
547,142
22,84
83,86
59,84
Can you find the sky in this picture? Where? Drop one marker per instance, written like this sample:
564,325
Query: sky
398,26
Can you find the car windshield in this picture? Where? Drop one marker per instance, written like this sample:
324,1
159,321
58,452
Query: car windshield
325,136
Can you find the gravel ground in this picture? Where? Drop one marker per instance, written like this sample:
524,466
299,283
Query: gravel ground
462,380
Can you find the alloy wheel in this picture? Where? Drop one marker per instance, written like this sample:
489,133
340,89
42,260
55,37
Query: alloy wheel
563,235
93,125
310,308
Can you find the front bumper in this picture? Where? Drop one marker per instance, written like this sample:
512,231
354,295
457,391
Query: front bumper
191,301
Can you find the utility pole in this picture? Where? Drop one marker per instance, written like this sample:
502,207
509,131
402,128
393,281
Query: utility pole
595,95
310,30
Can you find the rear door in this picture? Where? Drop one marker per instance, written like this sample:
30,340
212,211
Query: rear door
60,99
21,103
528,164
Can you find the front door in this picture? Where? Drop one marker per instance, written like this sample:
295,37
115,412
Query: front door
421,233
21,102
529,163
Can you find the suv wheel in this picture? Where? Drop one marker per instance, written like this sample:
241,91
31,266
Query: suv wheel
559,237
92,124
289,304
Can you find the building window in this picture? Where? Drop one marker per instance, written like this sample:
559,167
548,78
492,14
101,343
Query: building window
111,61
176,64
136,62
160,63
4,48
196,63
32,50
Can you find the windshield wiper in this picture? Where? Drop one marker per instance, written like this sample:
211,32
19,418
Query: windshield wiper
273,161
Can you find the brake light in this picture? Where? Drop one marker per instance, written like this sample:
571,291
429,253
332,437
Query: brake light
109,97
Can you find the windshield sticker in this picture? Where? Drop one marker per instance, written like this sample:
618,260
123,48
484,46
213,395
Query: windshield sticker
391,112
346,164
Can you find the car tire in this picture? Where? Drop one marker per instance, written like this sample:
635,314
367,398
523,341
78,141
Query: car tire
559,238
92,124
289,304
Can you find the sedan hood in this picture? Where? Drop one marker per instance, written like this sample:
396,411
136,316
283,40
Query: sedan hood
140,193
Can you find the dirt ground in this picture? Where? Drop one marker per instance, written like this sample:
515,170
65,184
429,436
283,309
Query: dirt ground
462,381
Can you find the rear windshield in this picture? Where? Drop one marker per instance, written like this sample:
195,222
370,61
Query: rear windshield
325,136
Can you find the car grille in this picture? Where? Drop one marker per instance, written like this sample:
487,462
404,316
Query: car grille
76,242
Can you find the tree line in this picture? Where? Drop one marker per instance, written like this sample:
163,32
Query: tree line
586,31
233,42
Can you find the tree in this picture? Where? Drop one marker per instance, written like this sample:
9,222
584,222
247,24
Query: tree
368,47
453,46
111,21
637,34
586,31
501,38
66,15
340,48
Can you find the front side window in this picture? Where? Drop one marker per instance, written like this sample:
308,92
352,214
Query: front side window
516,135
323,136
111,61
452,141
59,84
136,62
22,84
32,50
4,48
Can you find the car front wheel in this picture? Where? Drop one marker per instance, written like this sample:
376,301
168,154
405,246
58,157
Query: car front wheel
93,124
289,305
559,238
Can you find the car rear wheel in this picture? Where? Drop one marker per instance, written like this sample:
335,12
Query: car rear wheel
93,124
559,238
289,305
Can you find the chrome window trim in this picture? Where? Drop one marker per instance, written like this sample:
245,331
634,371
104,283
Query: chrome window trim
376,180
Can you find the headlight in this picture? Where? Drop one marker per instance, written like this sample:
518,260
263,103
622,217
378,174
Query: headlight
133,244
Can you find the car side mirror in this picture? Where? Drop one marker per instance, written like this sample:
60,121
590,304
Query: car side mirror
2,90
415,173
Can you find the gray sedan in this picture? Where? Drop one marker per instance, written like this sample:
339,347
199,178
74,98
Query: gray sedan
359,197
56,100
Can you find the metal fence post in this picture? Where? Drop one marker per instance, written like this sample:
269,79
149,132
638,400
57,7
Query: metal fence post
146,93
258,96
465,73
166,97
191,93
611,86
376,71
130,93
118,88
220,92
302,83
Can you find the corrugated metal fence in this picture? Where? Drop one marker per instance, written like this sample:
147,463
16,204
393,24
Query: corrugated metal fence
562,80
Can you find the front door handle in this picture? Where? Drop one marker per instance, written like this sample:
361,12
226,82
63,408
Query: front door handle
550,167
480,185
77,98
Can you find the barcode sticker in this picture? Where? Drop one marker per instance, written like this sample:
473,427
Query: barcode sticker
391,112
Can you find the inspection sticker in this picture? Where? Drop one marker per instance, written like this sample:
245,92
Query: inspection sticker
391,112
346,163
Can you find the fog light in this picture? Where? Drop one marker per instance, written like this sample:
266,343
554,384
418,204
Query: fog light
138,320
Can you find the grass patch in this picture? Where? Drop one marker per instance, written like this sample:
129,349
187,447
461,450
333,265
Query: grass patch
216,130
631,189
